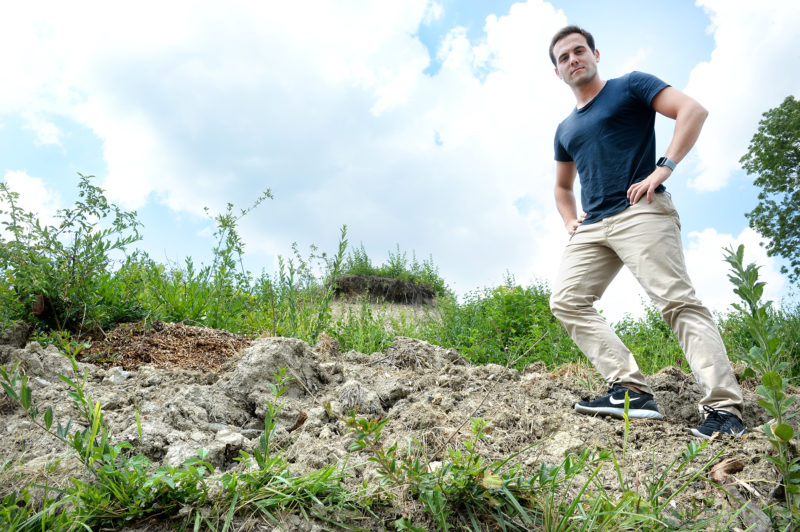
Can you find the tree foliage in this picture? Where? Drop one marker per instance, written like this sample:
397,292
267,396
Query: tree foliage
774,157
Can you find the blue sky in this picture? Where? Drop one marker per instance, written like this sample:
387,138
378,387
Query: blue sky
419,123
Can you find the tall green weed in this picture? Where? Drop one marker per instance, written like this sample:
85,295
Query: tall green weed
369,328
766,360
297,300
784,322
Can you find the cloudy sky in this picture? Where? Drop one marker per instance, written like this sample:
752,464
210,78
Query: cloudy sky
426,124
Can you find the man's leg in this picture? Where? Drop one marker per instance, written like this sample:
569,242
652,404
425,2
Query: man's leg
587,268
647,238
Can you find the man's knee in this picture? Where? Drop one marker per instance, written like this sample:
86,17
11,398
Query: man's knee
672,311
561,304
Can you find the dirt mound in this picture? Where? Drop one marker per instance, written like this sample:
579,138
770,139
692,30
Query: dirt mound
384,289
428,393
164,345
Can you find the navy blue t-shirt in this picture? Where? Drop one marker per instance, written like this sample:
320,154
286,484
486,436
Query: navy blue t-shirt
612,141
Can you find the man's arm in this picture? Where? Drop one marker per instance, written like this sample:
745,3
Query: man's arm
565,197
689,117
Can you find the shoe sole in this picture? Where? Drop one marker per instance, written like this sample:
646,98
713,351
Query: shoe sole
699,434
619,413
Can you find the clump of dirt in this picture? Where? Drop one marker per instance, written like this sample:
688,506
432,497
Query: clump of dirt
164,345
384,289
198,397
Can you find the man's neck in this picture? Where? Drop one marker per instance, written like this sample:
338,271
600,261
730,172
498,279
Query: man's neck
586,93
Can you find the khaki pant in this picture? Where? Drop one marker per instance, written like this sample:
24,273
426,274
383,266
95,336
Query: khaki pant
645,238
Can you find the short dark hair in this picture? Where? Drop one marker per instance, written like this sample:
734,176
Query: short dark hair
569,30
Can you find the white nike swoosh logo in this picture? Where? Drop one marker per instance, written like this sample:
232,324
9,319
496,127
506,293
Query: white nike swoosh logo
620,401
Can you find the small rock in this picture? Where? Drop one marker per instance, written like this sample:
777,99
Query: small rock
353,396
41,382
116,376
16,334
232,438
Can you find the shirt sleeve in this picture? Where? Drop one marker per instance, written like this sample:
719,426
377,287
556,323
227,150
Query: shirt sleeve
561,154
645,87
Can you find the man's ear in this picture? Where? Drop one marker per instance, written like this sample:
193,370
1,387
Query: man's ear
558,73
597,55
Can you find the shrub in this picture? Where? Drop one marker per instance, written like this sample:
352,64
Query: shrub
507,324
59,275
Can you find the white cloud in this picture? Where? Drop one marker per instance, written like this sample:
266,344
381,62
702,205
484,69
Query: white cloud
46,131
433,12
326,103
751,70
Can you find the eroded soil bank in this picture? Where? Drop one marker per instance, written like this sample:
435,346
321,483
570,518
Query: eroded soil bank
429,394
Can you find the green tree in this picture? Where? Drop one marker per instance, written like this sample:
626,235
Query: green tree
774,157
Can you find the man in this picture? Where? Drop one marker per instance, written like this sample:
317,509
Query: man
609,141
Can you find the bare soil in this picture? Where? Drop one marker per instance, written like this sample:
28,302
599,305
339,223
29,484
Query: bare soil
384,289
197,387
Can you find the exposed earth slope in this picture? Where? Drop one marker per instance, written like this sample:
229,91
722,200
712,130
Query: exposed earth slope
196,387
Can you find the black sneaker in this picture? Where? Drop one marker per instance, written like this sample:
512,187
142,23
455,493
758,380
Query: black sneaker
718,421
641,405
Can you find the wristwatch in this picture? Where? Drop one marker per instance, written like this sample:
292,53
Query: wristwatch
669,163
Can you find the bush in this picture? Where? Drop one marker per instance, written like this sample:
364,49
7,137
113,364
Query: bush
508,324
59,275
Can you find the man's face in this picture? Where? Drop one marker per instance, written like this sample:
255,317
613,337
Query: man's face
576,64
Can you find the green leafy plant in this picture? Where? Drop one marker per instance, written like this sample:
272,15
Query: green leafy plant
297,301
230,281
510,323
765,360
362,330
651,339
58,273
466,487
178,295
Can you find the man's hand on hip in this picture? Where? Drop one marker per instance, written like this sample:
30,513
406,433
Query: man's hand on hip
573,225
648,185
